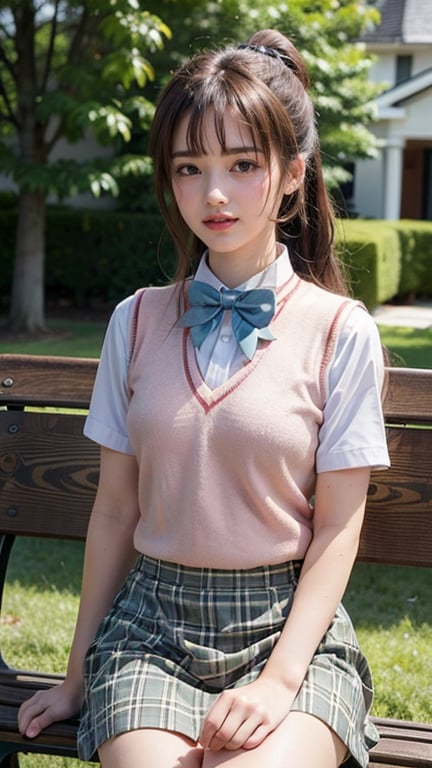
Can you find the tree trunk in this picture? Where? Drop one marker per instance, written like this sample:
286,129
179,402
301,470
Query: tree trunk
27,299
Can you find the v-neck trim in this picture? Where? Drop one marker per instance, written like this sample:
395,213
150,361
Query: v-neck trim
209,398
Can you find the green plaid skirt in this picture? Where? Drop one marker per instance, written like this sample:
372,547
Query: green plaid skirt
177,636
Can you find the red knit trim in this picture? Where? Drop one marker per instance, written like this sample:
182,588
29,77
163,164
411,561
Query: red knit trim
293,284
134,321
330,342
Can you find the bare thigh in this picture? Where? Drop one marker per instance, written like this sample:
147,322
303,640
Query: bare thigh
300,741
150,748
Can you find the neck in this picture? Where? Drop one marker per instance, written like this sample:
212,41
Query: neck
232,272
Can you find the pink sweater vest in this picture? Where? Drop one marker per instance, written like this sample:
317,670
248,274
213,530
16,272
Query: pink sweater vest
226,475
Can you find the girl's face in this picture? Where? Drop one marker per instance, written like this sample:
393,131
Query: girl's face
230,197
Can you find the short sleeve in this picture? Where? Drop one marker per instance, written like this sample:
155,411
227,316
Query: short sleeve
106,420
353,431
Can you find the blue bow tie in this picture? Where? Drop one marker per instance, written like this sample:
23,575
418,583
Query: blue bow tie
251,311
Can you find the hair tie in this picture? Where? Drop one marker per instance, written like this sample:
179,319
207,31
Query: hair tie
286,60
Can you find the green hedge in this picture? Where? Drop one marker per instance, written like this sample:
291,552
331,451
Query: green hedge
386,259
98,256
105,255
416,244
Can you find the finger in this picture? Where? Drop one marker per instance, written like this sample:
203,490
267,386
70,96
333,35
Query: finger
226,733
244,732
27,711
35,715
41,721
214,720
256,738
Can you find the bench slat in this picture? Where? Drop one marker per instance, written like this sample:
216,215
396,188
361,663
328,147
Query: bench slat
60,737
39,380
408,395
400,752
46,463
398,522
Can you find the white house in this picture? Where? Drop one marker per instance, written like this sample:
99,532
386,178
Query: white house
398,184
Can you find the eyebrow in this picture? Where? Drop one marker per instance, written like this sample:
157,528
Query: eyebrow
228,151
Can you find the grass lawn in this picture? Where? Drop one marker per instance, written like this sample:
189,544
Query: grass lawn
390,606
410,347
75,338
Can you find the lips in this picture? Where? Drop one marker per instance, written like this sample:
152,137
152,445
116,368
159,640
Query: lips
219,222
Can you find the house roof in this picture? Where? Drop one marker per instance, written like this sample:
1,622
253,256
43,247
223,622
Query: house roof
391,103
402,21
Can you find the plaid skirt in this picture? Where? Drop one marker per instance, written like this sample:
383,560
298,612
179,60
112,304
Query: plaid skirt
177,636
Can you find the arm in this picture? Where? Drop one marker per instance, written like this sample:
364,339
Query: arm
109,556
242,718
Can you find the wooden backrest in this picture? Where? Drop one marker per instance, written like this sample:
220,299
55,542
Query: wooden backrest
49,471
398,522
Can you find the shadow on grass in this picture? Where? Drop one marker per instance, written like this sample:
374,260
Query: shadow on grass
382,595
42,564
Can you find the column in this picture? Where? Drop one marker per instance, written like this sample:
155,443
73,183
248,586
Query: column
393,172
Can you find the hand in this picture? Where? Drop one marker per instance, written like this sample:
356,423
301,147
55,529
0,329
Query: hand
48,706
241,718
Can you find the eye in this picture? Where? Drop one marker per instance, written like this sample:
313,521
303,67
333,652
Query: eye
187,170
245,166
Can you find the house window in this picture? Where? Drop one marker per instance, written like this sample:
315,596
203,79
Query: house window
403,68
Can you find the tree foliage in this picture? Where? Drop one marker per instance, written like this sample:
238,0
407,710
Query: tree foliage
327,33
67,68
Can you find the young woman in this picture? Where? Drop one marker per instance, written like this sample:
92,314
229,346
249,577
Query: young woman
239,416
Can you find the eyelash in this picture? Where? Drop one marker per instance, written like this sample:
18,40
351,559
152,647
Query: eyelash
183,170
251,165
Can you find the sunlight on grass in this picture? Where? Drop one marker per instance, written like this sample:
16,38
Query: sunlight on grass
70,338
390,608
43,580
401,662
410,347
49,761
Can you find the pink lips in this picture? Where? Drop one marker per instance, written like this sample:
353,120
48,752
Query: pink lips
219,223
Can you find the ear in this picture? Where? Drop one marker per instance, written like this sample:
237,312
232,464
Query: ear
295,175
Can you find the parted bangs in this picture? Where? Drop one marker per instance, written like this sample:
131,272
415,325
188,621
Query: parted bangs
218,96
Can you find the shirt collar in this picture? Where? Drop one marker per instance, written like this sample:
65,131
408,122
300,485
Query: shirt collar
274,276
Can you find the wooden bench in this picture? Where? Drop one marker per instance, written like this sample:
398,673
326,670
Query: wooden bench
48,478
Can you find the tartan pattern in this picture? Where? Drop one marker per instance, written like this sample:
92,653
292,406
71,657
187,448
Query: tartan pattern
176,636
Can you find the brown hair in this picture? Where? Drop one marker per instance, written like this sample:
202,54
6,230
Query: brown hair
265,83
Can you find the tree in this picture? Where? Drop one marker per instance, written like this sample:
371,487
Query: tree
67,68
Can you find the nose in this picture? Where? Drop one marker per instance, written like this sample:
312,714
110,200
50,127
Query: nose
215,195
